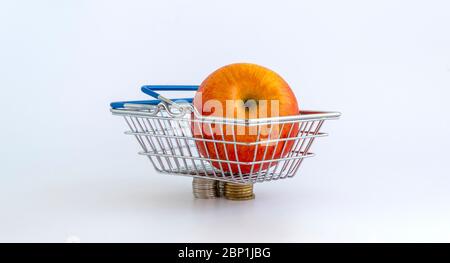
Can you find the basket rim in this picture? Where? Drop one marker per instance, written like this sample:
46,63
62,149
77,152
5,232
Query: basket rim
142,110
304,115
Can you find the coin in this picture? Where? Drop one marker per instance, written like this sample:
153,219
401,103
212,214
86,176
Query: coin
238,192
238,195
204,188
250,197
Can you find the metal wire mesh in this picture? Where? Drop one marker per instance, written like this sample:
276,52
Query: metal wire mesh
168,140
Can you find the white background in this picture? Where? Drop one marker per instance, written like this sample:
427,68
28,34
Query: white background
68,172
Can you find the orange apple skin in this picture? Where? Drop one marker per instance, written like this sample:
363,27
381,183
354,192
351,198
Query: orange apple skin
242,82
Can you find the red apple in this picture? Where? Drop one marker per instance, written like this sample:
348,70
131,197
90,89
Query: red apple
244,91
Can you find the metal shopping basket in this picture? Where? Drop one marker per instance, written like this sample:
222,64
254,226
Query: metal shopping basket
164,129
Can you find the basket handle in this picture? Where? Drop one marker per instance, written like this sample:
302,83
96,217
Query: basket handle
150,90
122,104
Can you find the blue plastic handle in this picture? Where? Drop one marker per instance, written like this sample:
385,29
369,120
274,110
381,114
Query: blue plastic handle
121,104
150,89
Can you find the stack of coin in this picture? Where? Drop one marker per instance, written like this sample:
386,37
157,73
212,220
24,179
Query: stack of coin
204,188
238,192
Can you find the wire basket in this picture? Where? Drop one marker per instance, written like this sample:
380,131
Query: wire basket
176,140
